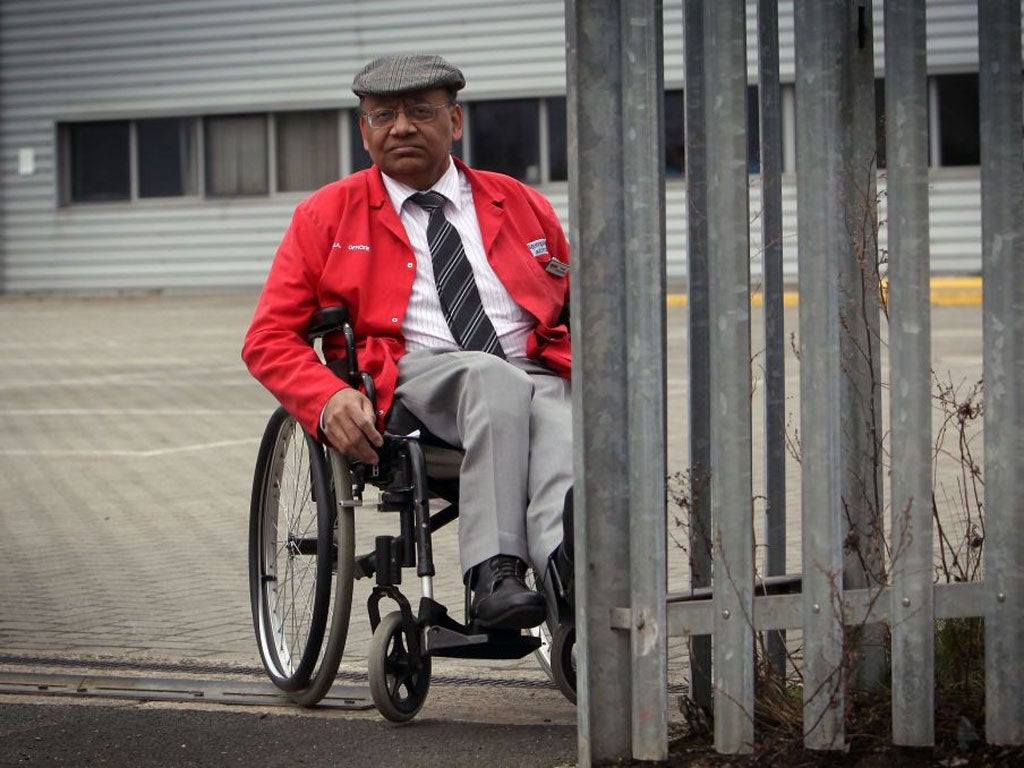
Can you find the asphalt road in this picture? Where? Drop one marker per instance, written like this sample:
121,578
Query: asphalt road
35,732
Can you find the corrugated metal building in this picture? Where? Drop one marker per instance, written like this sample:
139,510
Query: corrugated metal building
164,143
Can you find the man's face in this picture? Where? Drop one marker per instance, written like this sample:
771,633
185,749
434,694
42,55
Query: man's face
413,151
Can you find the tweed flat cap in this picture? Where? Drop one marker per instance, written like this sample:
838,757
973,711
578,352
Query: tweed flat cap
390,75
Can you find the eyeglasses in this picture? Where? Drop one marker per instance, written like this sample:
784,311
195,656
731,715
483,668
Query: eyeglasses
414,113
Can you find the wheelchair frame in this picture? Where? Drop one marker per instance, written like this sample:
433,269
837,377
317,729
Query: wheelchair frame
302,561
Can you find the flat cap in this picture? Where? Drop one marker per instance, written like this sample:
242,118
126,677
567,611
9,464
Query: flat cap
390,75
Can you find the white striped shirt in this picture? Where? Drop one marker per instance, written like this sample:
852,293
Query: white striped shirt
424,326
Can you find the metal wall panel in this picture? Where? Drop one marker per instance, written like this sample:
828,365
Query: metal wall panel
91,59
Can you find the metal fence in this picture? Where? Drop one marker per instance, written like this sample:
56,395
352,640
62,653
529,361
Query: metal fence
617,191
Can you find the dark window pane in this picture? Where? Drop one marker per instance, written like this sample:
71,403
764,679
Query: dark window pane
360,157
505,137
99,163
558,158
959,142
166,157
675,134
307,150
236,155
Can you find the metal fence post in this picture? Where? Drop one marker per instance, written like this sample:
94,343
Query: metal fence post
731,441
1002,232
770,100
644,129
617,222
860,339
913,606
819,26
699,329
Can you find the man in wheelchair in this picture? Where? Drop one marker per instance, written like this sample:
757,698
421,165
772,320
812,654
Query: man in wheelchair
456,286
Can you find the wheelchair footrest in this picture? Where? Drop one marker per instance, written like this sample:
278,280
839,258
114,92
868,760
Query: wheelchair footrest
442,641
446,637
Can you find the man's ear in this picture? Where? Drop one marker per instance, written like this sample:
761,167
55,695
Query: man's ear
456,122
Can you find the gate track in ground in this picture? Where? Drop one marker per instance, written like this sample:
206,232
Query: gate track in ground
193,667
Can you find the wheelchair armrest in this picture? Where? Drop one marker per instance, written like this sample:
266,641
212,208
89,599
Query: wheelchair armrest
327,320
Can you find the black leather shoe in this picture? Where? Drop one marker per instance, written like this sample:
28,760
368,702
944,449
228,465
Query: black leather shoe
501,599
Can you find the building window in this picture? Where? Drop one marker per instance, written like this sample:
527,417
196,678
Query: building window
307,150
675,133
122,160
360,157
236,155
674,109
505,136
558,157
98,165
166,157
958,120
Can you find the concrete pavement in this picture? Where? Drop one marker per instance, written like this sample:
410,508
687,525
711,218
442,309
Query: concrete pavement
128,433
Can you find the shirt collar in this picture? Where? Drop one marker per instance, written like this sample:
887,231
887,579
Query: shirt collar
448,185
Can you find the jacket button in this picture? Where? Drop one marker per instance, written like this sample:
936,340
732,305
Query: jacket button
394,319
409,265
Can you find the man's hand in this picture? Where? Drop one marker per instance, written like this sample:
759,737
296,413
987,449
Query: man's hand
348,422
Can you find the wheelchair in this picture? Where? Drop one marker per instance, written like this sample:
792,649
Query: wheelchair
303,563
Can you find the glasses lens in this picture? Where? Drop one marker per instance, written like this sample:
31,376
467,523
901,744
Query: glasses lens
380,118
414,113
421,113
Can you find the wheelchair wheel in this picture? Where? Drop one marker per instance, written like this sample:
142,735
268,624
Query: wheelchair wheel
399,687
343,560
563,660
543,653
292,551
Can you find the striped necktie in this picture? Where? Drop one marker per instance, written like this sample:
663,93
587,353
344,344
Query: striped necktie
456,287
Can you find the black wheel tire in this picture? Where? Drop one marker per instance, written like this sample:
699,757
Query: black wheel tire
563,660
291,549
398,685
543,631
343,559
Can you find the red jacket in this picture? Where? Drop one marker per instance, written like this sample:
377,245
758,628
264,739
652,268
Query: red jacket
347,246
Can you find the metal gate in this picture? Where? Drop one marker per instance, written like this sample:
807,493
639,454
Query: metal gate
617,232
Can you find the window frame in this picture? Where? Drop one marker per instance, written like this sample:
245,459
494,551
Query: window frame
65,172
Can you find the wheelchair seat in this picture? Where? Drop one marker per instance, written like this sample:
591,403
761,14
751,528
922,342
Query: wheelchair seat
443,459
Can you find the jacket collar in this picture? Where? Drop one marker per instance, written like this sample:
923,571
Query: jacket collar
488,200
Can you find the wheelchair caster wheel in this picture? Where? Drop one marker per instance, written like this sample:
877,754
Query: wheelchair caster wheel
398,683
563,660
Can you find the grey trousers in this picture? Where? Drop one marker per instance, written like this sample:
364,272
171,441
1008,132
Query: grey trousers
513,419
